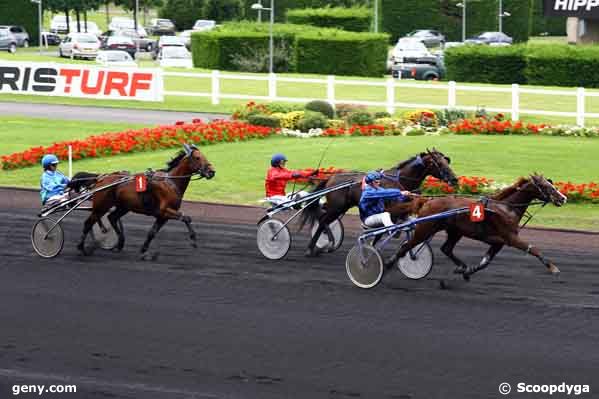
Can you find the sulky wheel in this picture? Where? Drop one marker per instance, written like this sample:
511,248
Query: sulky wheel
47,245
338,232
364,266
104,235
418,262
273,239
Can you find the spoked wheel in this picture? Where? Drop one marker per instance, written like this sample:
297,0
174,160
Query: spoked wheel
364,266
338,232
417,263
105,236
273,238
47,245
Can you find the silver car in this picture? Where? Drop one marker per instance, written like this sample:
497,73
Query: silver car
19,33
79,45
7,41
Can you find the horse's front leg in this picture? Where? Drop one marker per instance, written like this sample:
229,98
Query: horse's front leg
178,215
517,242
151,234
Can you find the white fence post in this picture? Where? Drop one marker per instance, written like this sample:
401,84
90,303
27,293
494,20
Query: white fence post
215,87
272,86
451,95
331,89
70,162
390,96
580,107
515,102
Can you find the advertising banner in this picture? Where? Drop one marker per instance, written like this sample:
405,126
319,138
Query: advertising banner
83,81
585,9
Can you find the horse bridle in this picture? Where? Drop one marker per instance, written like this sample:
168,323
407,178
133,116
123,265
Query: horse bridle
442,172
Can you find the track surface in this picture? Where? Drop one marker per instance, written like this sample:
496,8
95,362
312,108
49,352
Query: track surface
222,322
74,112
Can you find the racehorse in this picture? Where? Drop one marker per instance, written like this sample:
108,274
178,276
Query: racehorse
162,198
407,175
500,227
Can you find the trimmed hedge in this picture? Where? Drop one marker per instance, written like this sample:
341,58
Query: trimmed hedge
554,26
486,64
563,65
313,50
356,19
24,14
282,6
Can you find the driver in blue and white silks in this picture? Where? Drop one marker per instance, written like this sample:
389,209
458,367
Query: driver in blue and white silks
372,201
52,182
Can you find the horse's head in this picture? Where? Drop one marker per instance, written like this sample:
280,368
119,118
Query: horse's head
437,165
198,163
544,190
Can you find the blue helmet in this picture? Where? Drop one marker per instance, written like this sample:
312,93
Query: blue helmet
48,160
372,176
277,159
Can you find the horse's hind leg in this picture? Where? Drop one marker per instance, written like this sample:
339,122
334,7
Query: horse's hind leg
486,260
422,233
87,226
151,234
113,218
447,248
323,223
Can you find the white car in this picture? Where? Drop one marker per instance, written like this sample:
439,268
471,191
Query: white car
79,45
91,27
175,56
59,24
115,58
409,50
203,25
186,37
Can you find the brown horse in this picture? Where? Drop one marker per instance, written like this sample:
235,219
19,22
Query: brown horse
162,198
500,226
407,175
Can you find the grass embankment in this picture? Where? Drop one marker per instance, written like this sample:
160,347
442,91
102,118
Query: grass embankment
241,166
315,90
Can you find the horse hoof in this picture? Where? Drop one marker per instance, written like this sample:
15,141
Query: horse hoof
117,249
443,285
554,270
194,244
311,253
466,277
459,270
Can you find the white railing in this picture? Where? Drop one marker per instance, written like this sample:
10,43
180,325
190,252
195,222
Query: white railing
391,86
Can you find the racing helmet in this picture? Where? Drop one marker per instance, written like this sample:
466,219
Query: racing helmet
49,159
372,176
277,159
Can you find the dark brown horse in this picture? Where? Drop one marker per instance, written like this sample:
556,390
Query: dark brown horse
499,228
408,175
162,198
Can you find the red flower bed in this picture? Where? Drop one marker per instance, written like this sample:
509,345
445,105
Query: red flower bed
355,130
497,125
146,139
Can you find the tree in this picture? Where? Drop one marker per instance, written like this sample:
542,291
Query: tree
183,13
223,10
130,5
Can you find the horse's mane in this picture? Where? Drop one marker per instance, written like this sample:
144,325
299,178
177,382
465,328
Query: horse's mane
174,161
506,192
407,161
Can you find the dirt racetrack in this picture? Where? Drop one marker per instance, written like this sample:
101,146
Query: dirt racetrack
221,321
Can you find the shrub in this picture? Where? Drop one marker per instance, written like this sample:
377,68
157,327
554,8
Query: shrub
356,19
259,61
23,13
264,120
336,123
324,107
291,119
283,108
312,120
447,116
382,114
249,109
343,110
424,117
563,65
486,64
361,118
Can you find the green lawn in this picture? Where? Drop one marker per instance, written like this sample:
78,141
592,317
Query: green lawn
313,90
18,133
500,158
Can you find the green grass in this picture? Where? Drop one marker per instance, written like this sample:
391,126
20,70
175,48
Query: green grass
500,158
313,90
18,133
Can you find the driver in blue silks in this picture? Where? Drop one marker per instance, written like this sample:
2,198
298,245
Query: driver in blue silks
52,182
372,201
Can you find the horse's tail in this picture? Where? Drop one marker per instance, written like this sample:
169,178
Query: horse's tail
311,213
83,180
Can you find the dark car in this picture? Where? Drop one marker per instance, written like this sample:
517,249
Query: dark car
491,38
50,39
160,27
144,43
122,43
420,71
430,37
19,33
7,41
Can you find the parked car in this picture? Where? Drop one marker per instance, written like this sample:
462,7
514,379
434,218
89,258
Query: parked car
115,58
165,41
202,25
186,37
121,43
91,28
121,23
432,71
175,56
79,45
144,42
50,39
159,27
59,24
430,37
491,38
19,33
409,50
7,41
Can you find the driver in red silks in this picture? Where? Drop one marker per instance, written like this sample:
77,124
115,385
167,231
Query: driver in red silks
277,178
